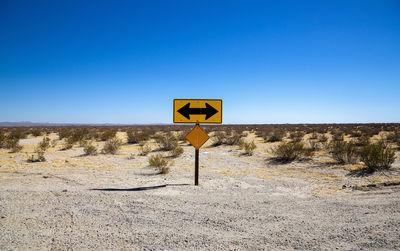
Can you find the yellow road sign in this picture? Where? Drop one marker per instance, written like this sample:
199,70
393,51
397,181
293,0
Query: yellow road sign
198,111
197,137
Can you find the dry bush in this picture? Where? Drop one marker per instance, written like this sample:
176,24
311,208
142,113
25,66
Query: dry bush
377,156
64,132
322,139
135,137
181,136
218,138
344,152
108,134
234,138
36,132
14,146
297,136
112,146
68,143
158,160
248,148
314,145
44,144
40,150
355,134
3,138
289,151
177,151
362,140
166,141
144,150
229,138
89,149
314,135
54,143
275,136
394,137
337,135
18,133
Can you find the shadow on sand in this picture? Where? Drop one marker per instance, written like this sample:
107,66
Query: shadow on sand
136,189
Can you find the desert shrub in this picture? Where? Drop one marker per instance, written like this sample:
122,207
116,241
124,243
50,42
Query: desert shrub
64,132
36,132
344,152
377,156
337,135
13,145
313,145
135,137
314,135
234,138
54,143
108,134
2,139
248,148
297,136
177,151
275,136
80,134
89,149
144,149
44,144
218,138
166,141
322,139
68,143
394,137
112,146
18,133
355,134
158,160
40,150
290,151
223,138
362,140
181,136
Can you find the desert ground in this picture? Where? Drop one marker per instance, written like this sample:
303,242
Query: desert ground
72,201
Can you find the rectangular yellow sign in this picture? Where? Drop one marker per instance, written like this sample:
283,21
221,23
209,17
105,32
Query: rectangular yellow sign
198,111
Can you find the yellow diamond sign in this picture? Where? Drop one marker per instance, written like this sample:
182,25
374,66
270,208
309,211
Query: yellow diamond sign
197,137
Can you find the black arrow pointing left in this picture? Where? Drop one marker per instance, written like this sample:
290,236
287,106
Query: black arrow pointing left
186,111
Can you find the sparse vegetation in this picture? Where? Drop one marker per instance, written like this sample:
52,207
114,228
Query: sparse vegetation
89,149
177,151
248,148
107,134
135,137
112,146
40,150
231,138
166,141
289,151
144,149
159,161
377,156
274,136
344,152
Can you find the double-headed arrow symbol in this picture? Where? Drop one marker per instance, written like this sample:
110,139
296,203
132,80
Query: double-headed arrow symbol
186,111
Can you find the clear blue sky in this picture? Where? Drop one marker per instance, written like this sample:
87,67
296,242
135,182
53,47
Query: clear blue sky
270,61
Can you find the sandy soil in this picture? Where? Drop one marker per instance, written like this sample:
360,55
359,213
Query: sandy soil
243,202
